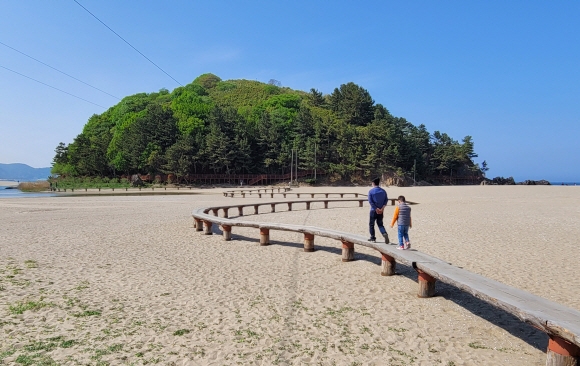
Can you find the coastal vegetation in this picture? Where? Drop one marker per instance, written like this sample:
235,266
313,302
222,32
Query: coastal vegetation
211,126
38,186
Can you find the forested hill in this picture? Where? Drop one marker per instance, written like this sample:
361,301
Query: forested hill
242,126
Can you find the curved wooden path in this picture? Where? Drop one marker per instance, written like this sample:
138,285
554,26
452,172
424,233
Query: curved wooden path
250,191
560,323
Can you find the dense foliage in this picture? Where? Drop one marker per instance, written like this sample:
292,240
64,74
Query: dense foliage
241,126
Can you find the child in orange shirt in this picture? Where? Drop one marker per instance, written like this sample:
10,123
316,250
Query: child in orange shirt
402,216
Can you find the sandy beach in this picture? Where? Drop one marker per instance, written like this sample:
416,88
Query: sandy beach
127,280
8,183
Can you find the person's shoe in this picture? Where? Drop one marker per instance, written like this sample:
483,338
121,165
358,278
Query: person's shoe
401,247
386,236
408,245
372,240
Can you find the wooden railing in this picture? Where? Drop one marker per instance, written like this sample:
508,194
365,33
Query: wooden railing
285,192
233,192
560,323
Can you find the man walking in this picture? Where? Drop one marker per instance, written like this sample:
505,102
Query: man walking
378,201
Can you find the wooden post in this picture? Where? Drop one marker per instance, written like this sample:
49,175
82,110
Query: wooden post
308,205
341,195
356,195
259,195
198,224
561,352
264,236
426,285
298,195
225,213
347,251
326,194
215,211
272,195
208,227
255,209
360,203
311,195
308,242
273,205
232,195
389,265
289,206
325,204
227,230
243,195
240,210
284,195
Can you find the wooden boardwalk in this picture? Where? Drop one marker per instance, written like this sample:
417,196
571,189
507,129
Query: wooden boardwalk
560,323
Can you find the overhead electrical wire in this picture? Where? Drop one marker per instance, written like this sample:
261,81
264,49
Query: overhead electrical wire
50,86
147,58
62,72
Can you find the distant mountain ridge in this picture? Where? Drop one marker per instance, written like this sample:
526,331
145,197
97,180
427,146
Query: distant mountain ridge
24,172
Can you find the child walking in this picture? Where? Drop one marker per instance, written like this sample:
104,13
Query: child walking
402,216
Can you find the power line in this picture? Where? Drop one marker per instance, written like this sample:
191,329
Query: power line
62,72
50,86
94,16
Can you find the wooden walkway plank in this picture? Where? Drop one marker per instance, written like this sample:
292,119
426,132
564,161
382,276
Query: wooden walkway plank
561,323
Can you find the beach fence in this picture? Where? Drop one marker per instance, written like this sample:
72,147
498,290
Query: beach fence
560,323
283,192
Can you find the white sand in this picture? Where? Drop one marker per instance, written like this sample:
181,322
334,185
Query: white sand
127,280
8,183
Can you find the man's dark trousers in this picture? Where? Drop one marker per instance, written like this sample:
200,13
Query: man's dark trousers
379,219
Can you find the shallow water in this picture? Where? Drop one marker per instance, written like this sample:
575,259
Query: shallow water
5,192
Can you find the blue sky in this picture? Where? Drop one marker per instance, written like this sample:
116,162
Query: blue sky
505,72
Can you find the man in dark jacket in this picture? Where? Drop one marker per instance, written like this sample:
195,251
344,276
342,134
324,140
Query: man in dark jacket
377,200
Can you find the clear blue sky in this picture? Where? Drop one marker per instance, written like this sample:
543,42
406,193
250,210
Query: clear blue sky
505,72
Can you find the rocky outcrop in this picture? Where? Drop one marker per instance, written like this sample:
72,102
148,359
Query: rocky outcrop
136,181
502,181
541,182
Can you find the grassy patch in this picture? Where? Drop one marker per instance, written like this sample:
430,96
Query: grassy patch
181,332
39,186
36,359
21,307
7,353
87,313
398,330
50,344
82,286
476,345
30,263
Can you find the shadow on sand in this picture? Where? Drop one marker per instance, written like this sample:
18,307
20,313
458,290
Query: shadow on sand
480,308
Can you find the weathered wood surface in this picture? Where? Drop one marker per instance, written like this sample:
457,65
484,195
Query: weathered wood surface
426,285
287,193
389,265
308,242
548,316
554,359
561,353
232,192
290,204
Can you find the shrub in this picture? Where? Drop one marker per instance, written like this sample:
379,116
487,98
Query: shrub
34,186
